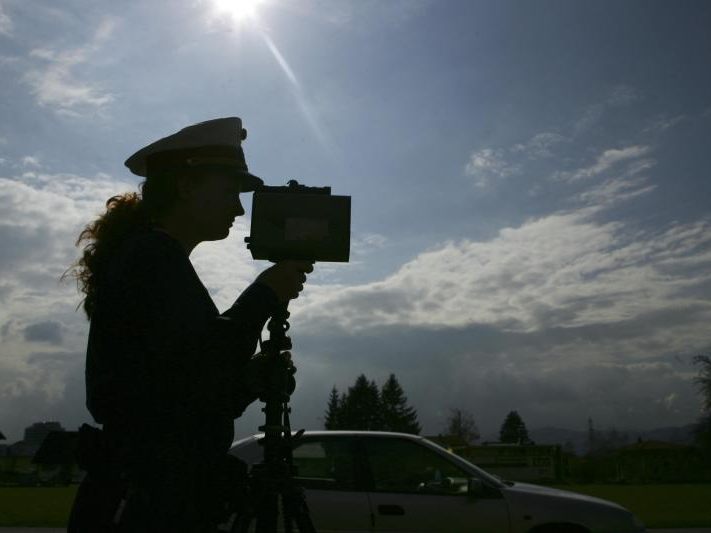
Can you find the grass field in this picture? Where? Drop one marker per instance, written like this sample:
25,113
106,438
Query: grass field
35,506
678,505
657,505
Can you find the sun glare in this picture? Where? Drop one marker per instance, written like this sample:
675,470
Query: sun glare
238,9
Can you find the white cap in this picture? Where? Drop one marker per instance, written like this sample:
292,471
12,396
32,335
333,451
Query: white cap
213,144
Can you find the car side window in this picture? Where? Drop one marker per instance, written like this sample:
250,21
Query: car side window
400,465
325,464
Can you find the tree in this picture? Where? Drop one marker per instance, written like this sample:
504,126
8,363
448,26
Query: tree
703,379
461,424
396,414
513,430
333,411
702,430
364,407
592,436
360,408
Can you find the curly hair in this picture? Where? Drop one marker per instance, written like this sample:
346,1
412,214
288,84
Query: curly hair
126,215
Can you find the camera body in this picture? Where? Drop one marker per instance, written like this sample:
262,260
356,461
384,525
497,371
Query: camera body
300,223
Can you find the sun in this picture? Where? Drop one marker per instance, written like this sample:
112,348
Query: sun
239,10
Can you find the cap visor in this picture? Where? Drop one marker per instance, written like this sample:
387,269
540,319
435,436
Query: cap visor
249,182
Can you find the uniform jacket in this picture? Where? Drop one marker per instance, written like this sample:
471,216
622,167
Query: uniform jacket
163,365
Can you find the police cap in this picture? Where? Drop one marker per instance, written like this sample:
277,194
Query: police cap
213,145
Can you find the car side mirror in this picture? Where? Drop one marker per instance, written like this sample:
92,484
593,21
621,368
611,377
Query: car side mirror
476,487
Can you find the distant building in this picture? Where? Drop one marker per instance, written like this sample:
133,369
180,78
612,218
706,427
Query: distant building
657,461
34,436
517,462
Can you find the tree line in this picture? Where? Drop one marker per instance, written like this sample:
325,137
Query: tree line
365,407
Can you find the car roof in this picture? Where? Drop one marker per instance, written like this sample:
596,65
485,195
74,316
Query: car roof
387,434
323,433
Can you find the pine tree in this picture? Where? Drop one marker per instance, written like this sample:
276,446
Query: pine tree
513,430
702,429
333,412
361,408
396,414
461,424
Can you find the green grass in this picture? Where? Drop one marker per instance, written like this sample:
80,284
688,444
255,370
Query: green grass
36,506
682,505
659,506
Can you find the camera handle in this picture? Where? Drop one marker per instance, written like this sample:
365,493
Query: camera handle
273,478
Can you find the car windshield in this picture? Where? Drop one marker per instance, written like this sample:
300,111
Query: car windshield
474,470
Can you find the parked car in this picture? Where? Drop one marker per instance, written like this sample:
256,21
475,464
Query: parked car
368,481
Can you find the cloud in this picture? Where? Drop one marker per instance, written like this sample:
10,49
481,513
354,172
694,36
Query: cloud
605,161
489,164
622,95
557,376
31,161
567,315
616,190
56,85
49,332
562,270
664,122
619,96
40,217
5,22
44,386
225,267
540,145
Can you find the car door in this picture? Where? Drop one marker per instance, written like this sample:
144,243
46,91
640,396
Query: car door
413,488
328,468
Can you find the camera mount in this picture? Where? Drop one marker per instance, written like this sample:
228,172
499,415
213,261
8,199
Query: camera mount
272,480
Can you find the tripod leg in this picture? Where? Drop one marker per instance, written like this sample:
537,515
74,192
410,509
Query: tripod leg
268,513
296,511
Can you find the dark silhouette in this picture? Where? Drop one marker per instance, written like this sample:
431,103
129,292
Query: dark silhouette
361,406
513,430
702,429
461,424
364,407
166,373
396,414
333,411
592,436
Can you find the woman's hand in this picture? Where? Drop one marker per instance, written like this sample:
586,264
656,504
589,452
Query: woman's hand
286,278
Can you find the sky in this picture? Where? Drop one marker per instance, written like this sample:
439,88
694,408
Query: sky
531,222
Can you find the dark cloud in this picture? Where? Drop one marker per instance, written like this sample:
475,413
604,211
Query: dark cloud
558,376
49,332
53,390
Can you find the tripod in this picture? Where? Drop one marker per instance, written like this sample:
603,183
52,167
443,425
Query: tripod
272,480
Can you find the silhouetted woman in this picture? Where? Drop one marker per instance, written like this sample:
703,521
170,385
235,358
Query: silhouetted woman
165,371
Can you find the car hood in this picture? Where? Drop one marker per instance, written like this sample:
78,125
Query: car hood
531,505
523,489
